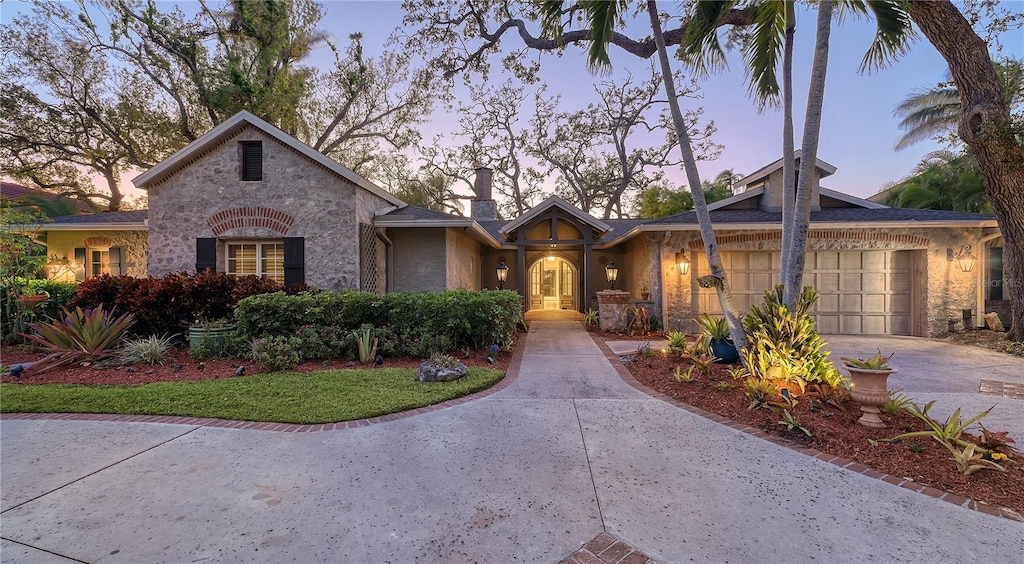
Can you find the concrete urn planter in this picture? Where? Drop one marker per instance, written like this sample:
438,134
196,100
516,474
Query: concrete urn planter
870,389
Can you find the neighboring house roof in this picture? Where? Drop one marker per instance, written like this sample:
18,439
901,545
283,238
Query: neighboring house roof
18,193
109,221
826,169
555,201
231,126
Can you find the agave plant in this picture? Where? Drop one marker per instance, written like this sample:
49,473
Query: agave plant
88,335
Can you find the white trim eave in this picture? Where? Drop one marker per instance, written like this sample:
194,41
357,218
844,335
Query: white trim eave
228,127
453,223
561,204
842,197
94,227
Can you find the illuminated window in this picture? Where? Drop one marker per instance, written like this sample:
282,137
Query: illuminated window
257,259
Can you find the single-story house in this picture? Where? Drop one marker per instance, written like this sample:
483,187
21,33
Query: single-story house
247,198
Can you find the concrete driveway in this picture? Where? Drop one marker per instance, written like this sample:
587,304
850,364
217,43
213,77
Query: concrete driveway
528,474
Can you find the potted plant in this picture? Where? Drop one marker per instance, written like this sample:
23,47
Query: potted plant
721,344
869,385
31,298
210,335
645,294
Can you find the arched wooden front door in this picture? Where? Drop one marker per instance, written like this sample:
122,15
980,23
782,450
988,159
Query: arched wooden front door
553,284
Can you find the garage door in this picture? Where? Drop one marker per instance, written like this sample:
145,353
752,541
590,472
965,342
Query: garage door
862,292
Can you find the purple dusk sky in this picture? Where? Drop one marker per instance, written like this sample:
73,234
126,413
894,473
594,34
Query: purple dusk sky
858,129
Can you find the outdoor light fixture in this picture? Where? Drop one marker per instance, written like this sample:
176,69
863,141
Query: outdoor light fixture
684,263
502,272
963,256
612,272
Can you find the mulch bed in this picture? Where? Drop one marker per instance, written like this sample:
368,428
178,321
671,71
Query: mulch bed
179,366
836,432
987,339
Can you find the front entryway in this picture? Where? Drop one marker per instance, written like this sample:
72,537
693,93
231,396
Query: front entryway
553,284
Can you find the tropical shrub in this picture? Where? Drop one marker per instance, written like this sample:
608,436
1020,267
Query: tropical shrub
88,335
786,342
406,324
273,354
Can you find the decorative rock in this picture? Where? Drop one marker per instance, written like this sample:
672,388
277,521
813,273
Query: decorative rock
427,372
993,323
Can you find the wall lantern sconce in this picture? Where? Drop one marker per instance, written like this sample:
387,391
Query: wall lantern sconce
963,256
612,272
684,263
502,272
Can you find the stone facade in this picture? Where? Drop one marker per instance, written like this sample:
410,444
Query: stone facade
612,306
297,197
947,290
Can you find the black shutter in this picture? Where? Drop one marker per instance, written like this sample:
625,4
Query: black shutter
252,160
80,264
116,265
206,254
294,260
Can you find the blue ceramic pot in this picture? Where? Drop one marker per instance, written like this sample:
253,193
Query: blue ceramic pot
724,351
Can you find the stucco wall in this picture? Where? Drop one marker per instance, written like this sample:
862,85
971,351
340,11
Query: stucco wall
948,289
419,259
324,207
133,245
463,264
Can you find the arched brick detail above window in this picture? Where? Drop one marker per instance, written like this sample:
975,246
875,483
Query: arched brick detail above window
821,237
98,242
267,218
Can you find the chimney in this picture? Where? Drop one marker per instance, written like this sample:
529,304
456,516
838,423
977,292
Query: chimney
483,206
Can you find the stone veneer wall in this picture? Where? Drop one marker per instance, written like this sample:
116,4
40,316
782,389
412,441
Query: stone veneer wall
325,208
949,290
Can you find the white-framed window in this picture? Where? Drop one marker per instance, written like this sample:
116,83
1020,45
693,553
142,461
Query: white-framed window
258,258
92,261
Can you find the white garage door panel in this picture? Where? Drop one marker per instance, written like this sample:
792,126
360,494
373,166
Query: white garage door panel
862,292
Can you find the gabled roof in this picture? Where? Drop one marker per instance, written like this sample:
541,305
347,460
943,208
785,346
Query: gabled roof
555,202
756,192
230,127
825,169
413,216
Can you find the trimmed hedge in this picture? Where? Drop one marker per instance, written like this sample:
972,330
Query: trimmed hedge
170,304
407,324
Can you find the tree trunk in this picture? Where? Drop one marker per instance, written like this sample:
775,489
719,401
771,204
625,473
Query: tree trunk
707,232
788,152
985,129
113,184
793,276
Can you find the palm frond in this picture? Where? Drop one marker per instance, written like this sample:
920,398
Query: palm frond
763,51
551,17
602,17
893,34
701,49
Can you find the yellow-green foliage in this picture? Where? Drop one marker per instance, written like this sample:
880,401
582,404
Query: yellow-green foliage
781,340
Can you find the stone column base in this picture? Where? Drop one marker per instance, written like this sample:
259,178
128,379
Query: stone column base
611,307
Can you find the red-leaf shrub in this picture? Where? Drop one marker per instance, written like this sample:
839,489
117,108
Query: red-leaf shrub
168,305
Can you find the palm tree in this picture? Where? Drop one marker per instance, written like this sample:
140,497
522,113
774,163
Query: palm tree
943,180
773,30
929,112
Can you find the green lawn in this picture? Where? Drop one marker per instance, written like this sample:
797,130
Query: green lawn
282,397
